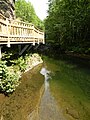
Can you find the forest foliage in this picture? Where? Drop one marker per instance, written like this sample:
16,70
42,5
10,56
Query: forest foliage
25,11
68,24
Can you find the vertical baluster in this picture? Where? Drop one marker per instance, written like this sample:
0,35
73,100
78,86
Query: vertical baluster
20,31
33,33
15,30
38,36
26,30
7,22
29,31
3,29
12,30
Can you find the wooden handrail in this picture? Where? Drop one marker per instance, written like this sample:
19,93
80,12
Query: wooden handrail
2,17
12,29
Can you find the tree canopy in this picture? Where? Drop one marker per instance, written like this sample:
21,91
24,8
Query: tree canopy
25,12
68,24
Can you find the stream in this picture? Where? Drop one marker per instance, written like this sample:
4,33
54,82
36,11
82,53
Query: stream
48,109
67,90
65,94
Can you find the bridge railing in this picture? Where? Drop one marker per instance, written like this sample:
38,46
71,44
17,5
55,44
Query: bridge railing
15,32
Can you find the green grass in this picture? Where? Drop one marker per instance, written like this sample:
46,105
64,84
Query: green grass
70,85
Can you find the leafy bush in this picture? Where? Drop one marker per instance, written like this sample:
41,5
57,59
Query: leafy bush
3,70
21,63
9,76
32,60
8,80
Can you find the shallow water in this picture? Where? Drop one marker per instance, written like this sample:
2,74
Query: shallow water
48,109
67,93
45,72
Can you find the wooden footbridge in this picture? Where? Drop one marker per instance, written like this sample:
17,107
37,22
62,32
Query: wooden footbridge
18,32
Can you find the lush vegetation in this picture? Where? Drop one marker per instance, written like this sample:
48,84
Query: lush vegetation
68,24
25,12
9,80
9,75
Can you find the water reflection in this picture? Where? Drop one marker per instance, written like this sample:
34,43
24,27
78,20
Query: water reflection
48,109
45,72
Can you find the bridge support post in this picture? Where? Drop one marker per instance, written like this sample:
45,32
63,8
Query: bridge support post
30,47
38,41
19,47
8,45
43,42
34,43
8,33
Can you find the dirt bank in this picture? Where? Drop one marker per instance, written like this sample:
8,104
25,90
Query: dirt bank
24,100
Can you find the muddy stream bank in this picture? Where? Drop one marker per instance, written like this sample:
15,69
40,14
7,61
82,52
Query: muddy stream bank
24,100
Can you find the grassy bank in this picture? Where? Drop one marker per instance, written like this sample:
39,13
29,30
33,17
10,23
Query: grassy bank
70,85
25,98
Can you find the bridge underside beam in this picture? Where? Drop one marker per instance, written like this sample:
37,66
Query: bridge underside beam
37,46
5,43
29,47
21,51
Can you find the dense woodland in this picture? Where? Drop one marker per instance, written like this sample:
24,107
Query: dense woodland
25,12
68,25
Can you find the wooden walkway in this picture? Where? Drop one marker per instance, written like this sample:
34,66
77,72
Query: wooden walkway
18,32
